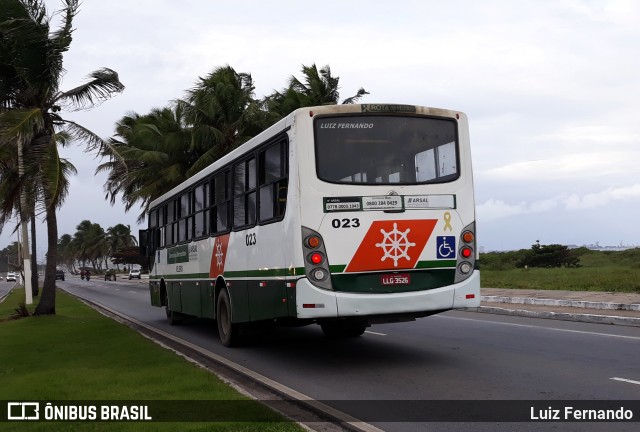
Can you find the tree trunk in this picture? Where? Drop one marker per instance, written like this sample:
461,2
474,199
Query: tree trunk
47,305
34,261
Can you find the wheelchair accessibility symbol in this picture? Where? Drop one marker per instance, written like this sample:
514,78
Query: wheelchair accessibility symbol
446,247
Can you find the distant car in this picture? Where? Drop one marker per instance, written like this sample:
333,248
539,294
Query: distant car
11,276
134,274
60,274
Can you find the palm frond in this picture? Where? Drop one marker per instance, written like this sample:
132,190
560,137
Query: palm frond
79,133
355,98
61,38
103,84
20,124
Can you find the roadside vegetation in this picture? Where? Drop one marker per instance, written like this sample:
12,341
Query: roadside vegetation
83,356
90,248
555,267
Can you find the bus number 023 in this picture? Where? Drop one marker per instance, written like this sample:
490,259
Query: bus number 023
345,223
250,239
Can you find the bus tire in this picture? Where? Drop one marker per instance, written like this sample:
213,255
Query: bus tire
227,329
173,317
344,328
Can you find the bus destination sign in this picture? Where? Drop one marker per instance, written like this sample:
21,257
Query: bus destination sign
380,108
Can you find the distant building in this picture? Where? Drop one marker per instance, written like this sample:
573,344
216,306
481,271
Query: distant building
597,247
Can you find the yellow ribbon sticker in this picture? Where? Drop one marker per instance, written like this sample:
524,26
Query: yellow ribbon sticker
447,222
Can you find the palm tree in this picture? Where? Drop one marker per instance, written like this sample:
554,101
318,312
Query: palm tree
37,172
148,156
223,113
31,58
66,252
151,154
118,237
319,88
91,244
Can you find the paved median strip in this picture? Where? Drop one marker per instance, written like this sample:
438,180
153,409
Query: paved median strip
564,316
561,303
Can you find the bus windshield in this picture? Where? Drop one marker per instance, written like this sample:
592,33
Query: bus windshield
381,149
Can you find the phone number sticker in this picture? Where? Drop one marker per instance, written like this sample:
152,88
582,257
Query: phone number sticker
391,202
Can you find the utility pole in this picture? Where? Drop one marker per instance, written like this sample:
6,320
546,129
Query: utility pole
26,256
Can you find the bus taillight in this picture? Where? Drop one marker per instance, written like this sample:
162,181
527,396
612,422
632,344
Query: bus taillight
316,263
467,237
465,268
319,274
466,254
313,241
316,258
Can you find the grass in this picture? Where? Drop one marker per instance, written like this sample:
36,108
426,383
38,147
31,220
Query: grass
571,279
610,271
81,355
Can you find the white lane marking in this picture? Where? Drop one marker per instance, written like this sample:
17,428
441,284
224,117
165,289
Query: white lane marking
117,289
135,292
374,333
625,380
543,328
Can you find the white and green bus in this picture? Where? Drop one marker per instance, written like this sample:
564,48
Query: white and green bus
338,215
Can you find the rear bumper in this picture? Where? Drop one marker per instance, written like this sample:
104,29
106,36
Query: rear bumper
312,302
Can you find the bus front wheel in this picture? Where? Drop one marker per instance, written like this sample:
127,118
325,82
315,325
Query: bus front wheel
227,330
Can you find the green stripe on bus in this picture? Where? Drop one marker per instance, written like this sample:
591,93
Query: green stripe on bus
436,264
442,264
181,276
296,271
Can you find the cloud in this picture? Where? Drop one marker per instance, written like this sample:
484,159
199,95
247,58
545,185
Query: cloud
567,166
493,209
603,198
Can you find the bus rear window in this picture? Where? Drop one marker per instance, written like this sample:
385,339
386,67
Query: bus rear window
386,149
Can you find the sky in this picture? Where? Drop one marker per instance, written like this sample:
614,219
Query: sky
551,89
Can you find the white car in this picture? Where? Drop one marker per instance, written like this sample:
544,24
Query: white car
11,276
134,274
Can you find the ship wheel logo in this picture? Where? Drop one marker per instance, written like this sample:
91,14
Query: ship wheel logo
219,254
395,244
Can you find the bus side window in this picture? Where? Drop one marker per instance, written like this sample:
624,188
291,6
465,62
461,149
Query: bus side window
221,195
244,193
272,182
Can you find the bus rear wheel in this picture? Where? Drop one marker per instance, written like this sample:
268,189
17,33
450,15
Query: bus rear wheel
228,331
344,328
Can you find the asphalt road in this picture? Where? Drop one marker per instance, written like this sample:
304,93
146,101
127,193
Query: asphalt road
451,356
5,287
